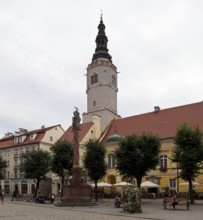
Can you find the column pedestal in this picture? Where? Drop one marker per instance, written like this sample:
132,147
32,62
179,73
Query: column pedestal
77,193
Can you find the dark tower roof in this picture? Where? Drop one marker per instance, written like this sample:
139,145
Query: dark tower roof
101,50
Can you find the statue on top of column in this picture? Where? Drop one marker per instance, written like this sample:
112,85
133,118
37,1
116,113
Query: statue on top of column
76,120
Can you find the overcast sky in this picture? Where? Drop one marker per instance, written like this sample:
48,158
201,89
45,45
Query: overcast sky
46,45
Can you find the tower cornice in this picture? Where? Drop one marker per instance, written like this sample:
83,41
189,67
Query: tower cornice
101,62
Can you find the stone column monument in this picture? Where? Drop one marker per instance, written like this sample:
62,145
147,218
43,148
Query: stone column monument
77,192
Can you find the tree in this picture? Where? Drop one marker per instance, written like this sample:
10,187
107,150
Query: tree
35,165
175,157
188,152
94,162
3,167
62,159
137,155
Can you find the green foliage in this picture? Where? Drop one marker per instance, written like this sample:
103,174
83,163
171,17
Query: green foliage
176,154
94,161
35,165
137,155
188,152
132,201
62,157
3,167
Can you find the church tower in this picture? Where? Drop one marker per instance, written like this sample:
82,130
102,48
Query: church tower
101,83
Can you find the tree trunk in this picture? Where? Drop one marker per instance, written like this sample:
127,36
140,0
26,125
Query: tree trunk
139,181
37,187
191,192
62,183
96,191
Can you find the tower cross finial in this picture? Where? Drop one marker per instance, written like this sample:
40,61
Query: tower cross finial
101,14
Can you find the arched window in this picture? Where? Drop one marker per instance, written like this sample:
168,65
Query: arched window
105,77
114,83
94,103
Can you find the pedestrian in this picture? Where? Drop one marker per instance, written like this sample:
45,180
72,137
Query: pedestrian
117,201
14,195
52,198
1,196
174,200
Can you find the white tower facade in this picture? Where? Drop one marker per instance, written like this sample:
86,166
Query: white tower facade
102,83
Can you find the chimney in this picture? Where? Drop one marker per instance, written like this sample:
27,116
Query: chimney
22,130
156,109
8,134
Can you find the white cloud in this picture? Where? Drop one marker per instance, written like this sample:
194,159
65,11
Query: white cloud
45,47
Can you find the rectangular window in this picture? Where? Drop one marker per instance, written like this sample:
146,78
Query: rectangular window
20,139
15,161
172,183
163,161
31,137
111,161
94,79
15,174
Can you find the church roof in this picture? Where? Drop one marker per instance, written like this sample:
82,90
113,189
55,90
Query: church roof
163,123
84,128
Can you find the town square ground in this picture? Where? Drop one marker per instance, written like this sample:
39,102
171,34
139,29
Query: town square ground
105,210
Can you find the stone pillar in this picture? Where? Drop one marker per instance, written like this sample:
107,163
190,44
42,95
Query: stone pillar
76,150
78,192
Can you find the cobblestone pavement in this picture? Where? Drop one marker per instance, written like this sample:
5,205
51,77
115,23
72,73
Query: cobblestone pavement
152,209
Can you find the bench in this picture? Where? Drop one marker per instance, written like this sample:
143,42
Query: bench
168,201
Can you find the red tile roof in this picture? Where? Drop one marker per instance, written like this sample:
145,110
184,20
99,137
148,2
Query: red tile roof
84,128
8,141
163,123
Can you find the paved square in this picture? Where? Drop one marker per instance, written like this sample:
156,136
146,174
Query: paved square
152,209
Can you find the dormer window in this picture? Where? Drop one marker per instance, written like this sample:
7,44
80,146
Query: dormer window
15,140
94,78
32,137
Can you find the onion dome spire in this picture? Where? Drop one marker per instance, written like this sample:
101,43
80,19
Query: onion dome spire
101,50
